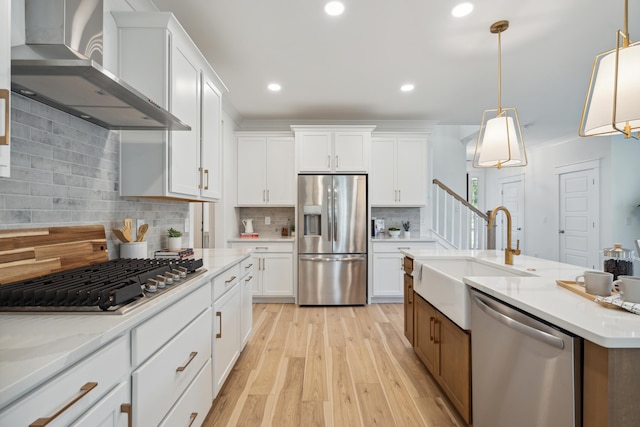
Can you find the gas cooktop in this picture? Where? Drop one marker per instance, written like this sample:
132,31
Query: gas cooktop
115,286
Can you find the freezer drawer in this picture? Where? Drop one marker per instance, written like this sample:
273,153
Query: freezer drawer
332,279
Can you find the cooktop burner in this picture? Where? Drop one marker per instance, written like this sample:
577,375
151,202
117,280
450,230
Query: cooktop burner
104,287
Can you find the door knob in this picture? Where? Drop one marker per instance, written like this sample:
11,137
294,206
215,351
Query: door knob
561,231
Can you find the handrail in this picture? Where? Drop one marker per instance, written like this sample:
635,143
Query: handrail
461,200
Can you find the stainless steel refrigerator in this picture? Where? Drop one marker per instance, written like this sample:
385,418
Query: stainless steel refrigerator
332,239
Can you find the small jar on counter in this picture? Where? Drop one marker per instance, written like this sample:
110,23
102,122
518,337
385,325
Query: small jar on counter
618,261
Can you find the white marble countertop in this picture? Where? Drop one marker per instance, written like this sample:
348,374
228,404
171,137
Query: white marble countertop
402,239
542,297
35,347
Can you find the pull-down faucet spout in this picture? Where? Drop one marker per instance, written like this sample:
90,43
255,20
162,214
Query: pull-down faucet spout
508,252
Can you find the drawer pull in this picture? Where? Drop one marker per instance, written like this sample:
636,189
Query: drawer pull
431,319
219,315
436,330
192,418
125,408
41,422
248,279
191,357
266,248
231,279
246,267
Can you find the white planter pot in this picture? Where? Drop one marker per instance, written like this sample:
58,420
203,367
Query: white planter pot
407,234
175,243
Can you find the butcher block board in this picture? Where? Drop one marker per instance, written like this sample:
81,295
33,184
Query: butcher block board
33,252
574,287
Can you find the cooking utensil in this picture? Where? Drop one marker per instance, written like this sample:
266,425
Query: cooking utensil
120,235
127,227
142,230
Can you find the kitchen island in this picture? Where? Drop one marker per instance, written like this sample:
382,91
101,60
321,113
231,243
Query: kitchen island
41,350
611,364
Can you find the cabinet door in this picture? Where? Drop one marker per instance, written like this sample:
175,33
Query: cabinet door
411,171
281,180
351,151
382,179
226,338
211,147
455,365
277,274
387,274
246,306
408,308
252,171
109,411
426,340
184,160
315,151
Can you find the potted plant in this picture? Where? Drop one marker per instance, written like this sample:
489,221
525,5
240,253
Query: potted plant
394,232
406,225
175,239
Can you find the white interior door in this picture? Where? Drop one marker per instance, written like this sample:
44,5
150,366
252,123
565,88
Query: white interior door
579,226
512,198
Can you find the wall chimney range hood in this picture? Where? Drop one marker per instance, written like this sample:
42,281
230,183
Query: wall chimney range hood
61,65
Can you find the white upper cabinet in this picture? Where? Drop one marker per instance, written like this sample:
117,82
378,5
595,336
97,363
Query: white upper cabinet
398,171
158,58
266,170
333,149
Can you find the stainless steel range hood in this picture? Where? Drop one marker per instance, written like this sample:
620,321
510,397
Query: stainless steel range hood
61,65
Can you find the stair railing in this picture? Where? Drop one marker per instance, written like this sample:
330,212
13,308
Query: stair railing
457,222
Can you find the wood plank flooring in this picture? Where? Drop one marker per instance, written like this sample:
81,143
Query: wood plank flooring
330,366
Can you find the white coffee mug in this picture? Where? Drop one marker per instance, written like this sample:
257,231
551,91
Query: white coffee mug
629,286
596,282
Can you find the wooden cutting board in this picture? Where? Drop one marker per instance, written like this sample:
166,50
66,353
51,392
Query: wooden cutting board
33,252
574,287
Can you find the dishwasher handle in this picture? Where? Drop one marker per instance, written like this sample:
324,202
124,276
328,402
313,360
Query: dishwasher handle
520,327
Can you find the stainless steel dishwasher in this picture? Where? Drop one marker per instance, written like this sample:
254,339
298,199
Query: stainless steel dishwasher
525,372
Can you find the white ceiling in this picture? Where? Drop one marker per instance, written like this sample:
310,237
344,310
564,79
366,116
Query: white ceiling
351,67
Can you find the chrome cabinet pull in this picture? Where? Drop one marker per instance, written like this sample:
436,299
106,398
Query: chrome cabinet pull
231,279
219,315
264,198
85,389
191,357
399,195
192,418
125,408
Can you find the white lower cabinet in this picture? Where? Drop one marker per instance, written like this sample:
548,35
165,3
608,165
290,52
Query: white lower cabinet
226,335
110,411
160,381
70,394
247,280
388,268
273,264
192,408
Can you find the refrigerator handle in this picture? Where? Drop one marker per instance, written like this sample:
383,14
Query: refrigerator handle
335,208
329,215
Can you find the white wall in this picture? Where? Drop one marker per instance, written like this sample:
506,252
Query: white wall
448,158
619,191
226,214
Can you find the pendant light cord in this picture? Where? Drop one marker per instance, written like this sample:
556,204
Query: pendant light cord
499,74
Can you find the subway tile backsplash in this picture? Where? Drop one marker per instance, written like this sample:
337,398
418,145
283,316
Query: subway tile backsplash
393,217
280,217
65,171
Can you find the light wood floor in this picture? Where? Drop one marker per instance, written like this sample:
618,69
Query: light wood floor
330,366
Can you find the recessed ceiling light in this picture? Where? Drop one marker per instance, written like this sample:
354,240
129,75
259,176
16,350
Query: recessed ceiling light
274,87
463,9
334,8
408,87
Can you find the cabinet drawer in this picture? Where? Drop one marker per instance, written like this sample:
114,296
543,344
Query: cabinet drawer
193,406
400,245
247,266
155,332
161,380
108,411
225,281
265,246
74,387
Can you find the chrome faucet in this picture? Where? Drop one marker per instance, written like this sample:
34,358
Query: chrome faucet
508,252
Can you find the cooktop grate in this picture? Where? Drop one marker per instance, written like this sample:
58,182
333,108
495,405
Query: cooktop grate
106,285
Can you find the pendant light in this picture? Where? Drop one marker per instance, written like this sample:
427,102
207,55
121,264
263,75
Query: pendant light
500,143
612,104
